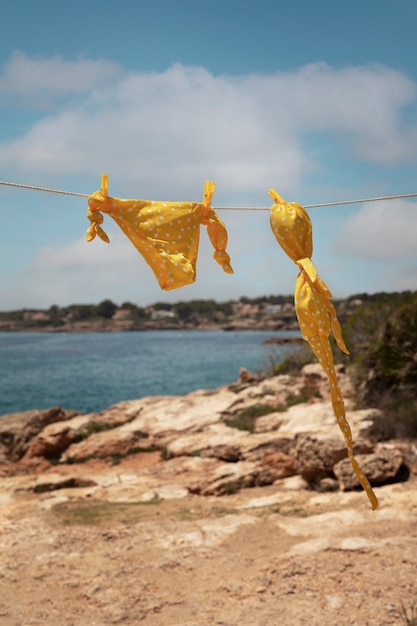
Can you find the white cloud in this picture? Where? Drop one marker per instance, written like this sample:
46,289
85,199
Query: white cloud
36,81
165,130
160,135
78,272
407,279
381,231
90,272
364,104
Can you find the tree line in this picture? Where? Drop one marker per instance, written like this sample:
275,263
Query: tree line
209,309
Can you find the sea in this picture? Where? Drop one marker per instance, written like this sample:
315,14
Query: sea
89,372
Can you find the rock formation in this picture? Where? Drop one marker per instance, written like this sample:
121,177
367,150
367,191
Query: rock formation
250,434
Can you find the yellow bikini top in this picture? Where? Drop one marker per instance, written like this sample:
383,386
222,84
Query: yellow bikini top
316,314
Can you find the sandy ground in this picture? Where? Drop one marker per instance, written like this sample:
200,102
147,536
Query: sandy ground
265,556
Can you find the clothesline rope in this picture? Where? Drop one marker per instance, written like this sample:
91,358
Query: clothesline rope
224,208
65,193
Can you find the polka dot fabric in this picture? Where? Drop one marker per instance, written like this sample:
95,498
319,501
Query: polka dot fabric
165,233
316,314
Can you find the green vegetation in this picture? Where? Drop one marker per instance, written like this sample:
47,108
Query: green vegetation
166,454
209,310
246,419
190,313
60,316
264,300
293,363
286,509
97,427
381,333
110,514
306,393
94,513
106,309
410,614
115,458
382,337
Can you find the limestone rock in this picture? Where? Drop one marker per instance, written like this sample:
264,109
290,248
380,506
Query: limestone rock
229,478
54,482
190,443
18,429
55,438
319,418
283,464
247,377
273,391
225,452
410,455
315,456
315,378
192,412
268,423
104,444
380,467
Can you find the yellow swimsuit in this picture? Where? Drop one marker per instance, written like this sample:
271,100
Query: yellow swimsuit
165,233
316,314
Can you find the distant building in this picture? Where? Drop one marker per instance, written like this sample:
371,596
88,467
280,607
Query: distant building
272,309
242,310
36,316
159,314
122,314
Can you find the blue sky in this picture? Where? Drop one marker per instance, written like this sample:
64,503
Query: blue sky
315,99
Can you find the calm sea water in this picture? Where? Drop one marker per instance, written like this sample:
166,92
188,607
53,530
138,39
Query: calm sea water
91,371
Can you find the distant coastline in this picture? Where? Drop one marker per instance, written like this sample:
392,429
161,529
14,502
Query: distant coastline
268,313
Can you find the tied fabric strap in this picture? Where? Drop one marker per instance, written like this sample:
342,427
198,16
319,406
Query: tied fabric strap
216,229
316,314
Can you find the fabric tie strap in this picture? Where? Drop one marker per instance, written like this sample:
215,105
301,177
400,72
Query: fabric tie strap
216,229
310,274
96,219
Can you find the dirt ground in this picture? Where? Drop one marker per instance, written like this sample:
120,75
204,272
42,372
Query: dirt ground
260,557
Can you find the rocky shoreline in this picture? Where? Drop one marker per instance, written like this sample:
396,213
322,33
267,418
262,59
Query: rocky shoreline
230,506
252,433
